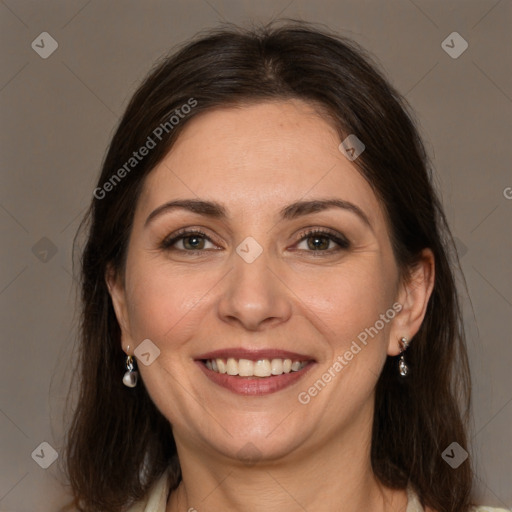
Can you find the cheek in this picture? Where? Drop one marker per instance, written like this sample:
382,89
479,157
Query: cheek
349,300
162,301
166,306
354,308
167,303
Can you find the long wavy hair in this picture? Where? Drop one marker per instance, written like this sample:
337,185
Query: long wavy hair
118,443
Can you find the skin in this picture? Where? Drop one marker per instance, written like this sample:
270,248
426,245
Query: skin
255,160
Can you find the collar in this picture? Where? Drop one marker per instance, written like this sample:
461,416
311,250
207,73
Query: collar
413,502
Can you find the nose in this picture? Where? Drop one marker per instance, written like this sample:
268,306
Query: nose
254,296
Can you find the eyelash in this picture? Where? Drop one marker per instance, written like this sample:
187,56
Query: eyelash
336,237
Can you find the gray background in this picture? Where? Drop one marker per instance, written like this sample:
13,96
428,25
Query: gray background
59,113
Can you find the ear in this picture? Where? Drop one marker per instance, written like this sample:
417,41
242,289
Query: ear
413,296
117,291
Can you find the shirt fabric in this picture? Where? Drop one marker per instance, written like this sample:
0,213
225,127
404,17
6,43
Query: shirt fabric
156,500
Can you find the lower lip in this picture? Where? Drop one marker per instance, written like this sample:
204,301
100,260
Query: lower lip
254,386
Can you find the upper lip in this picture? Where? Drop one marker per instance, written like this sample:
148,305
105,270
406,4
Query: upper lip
254,355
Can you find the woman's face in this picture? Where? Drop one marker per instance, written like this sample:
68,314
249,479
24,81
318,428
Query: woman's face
258,288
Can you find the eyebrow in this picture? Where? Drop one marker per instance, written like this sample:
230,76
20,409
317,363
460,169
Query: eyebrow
294,210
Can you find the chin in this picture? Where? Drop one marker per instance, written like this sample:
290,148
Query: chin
254,441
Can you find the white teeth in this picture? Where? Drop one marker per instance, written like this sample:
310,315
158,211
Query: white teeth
262,368
245,368
259,368
276,366
221,365
231,366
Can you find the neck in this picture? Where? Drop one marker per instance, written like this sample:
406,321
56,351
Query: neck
334,476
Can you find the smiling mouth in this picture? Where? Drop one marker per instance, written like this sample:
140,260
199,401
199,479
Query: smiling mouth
254,372
260,368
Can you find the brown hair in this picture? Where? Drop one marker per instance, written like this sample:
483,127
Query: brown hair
119,443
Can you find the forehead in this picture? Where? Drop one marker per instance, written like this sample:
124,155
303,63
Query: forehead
261,156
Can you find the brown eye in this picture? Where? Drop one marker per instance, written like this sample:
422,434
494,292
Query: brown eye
190,241
193,242
320,241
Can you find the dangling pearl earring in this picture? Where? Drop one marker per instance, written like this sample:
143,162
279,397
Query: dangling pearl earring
402,365
130,377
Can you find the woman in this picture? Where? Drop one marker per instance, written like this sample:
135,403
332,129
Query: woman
266,250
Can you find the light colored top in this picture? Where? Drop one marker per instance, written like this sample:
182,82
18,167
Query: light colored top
156,500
